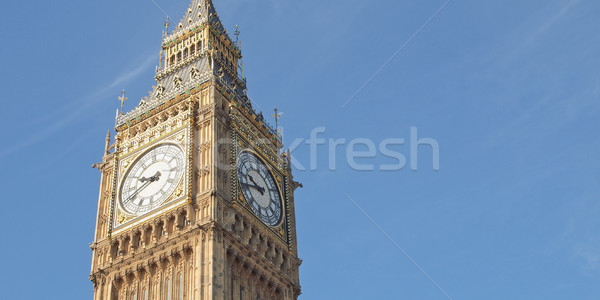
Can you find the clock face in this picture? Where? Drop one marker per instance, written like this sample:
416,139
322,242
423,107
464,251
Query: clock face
152,178
259,188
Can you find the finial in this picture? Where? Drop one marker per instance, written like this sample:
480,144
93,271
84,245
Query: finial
107,146
122,99
237,35
277,115
167,24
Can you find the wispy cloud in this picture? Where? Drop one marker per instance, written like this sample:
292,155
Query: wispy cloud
522,55
587,256
128,75
76,112
527,37
555,18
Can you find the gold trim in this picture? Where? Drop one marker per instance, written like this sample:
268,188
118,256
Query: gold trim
278,183
137,157
165,210
171,137
152,141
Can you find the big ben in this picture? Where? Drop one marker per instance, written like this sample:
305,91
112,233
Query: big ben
196,194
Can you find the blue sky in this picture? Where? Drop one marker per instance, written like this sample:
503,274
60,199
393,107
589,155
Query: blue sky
509,89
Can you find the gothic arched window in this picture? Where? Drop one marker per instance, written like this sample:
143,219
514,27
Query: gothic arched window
180,297
169,289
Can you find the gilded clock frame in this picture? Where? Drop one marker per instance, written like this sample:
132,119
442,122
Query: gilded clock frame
244,140
278,184
181,136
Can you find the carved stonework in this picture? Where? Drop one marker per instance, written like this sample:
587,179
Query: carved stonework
194,73
177,82
203,238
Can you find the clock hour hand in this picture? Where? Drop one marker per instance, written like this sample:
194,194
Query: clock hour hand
154,178
261,190
252,179
146,181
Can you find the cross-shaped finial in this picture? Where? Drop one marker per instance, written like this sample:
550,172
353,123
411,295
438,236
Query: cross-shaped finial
122,99
237,34
167,24
277,115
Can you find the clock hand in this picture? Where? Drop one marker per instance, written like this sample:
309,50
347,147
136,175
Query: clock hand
147,182
139,189
156,177
256,184
260,189
252,179
151,179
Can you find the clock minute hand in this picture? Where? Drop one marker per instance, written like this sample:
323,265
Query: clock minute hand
261,190
147,182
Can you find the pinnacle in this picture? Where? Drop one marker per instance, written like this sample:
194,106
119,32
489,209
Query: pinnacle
198,12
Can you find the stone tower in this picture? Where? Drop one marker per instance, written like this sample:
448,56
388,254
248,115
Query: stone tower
196,193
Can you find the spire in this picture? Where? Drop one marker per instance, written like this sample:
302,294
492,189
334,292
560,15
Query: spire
199,12
167,24
184,64
107,146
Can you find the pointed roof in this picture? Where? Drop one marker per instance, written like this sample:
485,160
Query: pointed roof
199,12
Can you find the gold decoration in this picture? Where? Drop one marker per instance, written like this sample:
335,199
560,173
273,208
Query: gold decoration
165,120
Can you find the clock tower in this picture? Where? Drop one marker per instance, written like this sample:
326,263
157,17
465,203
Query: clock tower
196,193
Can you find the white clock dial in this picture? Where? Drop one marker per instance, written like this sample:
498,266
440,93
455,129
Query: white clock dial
259,188
152,178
